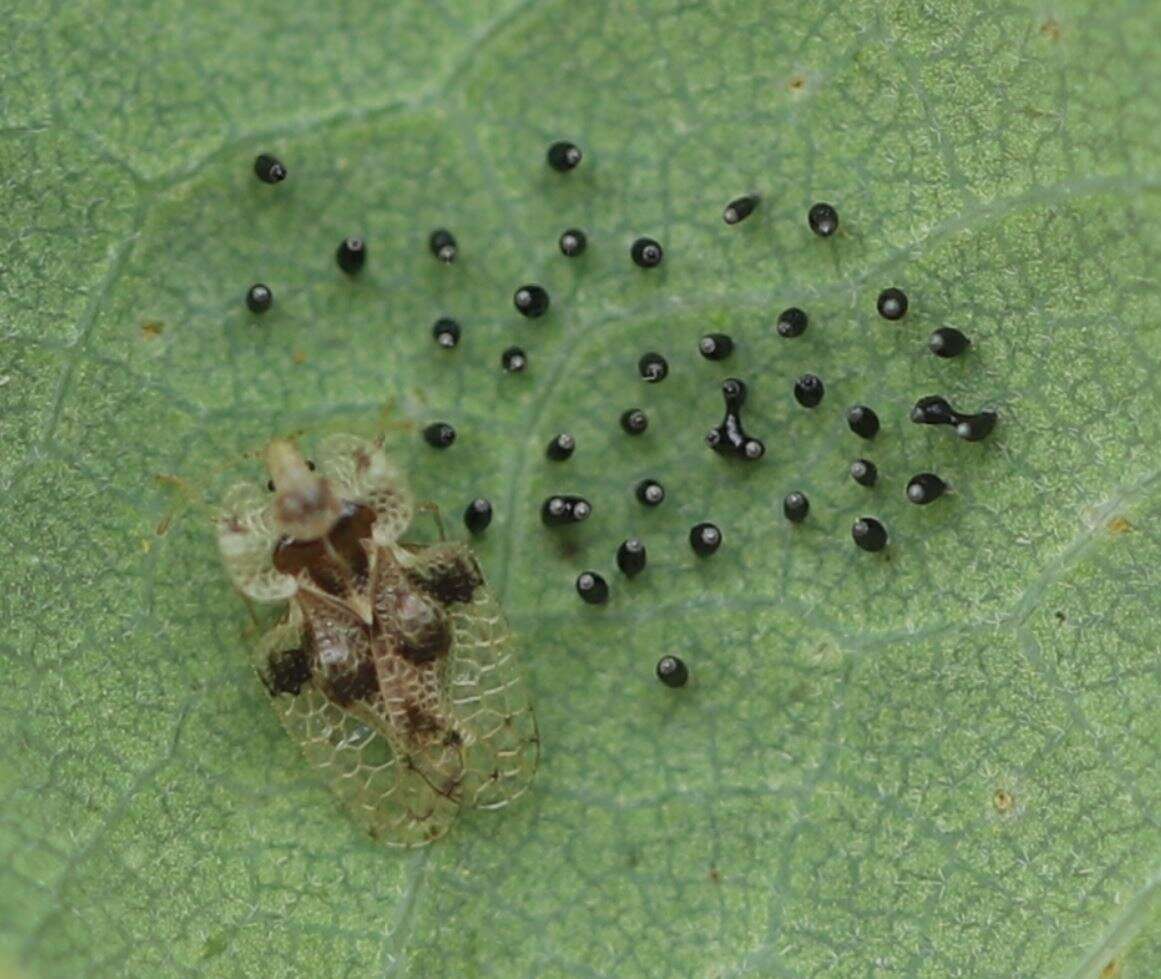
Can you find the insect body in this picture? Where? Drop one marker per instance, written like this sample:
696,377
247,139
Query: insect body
393,667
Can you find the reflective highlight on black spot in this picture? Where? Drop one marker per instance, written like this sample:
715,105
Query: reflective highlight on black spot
592,588
514,360
740,208
650,492
653,367
936,410
715,346
631,557
560,447
351,254
792,322
672,671
924,488
288,671
864,472
646,253
730,437
705,538
269,169
259,298
634,421
892,304
573,242
531,300
439,435
947,341
563,156
443,245
560,510
823,220
446,332
863,421
478,515
869,534
809,390
795,506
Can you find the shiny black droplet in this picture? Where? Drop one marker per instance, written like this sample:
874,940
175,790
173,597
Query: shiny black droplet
705,538
351,254
573,242
823,220
259,298
531,301
795,506
792,322
646,253
514,360
650,492
563,156
652,367
634,421
715,346
443,245
947,341
972,428
863,421
561,447
729,438
446,332
672,671
740,208
592,588
864,472
478,515
269,169
631,557
439,435
869,534
936,410
561,509
808,390
924,488
892,304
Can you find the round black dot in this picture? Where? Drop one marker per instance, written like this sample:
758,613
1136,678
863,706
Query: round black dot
439,435
869,534
795,506
514,360
947,341
446,332
646,253
531,301
863,421
563,156
478,515
924,488
269,169
443,245
792,322
351,254
650,492
705,538
864,472
561,447
740,208
592,588
823,220
259,298
808,390
672,671
634,421
892,304
573,242
631,557
715,346
652,367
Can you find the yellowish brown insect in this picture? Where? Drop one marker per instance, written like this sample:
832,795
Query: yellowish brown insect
393,667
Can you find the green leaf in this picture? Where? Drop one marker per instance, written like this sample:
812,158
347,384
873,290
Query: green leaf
940,760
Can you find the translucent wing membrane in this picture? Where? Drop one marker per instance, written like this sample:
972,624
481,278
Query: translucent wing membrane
491,702
352,749
360,471
246,539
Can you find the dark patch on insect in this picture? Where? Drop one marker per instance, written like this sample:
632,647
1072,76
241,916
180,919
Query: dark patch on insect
319,561
730,438
288,670
456,582
360,683
419,721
